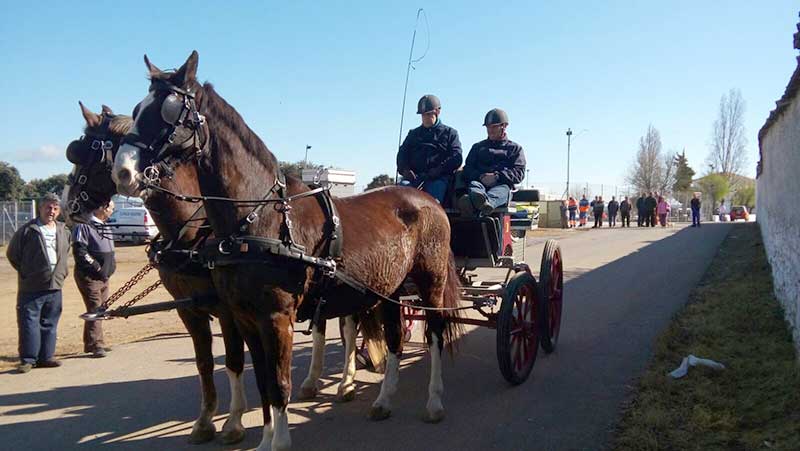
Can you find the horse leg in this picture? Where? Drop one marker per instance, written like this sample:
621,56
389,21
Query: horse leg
276,332
311,385
434,411
233,431
197,324
347,387
393,331
257,355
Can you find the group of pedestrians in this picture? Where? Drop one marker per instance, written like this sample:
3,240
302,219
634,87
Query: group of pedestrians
575,213
652,209
38,251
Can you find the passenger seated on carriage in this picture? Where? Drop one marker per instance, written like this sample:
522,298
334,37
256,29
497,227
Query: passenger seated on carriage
493,167
431,153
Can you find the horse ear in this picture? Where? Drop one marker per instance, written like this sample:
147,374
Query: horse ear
151,68
107,110
92,119
187,72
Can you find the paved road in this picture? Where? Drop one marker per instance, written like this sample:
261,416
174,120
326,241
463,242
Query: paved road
622,288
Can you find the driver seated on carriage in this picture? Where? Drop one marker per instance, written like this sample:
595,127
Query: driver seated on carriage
431,153
493,167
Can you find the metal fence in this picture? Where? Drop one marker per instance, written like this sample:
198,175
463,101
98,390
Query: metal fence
14,214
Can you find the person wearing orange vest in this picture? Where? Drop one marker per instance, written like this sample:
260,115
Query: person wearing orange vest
583,210
572,206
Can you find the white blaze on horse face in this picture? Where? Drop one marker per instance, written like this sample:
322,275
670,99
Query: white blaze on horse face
125,173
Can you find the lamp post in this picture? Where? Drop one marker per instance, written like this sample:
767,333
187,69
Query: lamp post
569,140
305,161
527,178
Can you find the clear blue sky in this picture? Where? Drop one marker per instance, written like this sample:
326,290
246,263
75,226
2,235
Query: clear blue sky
332,76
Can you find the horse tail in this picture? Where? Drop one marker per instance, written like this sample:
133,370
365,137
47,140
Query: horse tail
372,331
453,329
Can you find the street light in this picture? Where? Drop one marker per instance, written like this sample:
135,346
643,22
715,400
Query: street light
569,139
305,162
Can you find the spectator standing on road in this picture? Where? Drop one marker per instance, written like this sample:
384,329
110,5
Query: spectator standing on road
563,210
695,204
572,205
613,207
93,250
640,210
38,252
625,212
431,153
723,210
493,167
650,204
597,209
583,210
662,208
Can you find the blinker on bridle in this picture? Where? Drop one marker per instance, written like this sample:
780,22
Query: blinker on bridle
86,154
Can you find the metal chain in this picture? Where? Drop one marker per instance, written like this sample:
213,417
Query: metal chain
138,297
128,285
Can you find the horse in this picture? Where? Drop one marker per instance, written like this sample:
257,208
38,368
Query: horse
175,222
386,236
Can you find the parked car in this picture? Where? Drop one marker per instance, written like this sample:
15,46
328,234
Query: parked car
739,212
133,224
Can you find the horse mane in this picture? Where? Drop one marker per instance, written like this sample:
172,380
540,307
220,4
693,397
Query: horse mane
120,124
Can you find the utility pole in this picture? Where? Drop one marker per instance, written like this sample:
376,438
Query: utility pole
569,139
305,162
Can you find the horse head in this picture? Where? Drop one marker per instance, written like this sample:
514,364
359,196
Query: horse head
89,184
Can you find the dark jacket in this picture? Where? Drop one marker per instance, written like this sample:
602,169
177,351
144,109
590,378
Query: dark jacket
613,207
695,203
640,204
505,158
598,207
650,204
27,254
430,152
624,207
93,251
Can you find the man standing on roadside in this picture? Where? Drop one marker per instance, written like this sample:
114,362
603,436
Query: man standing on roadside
597,209
650,205
38,252
640,210
583,210
93,249
625,211
695,204
613,207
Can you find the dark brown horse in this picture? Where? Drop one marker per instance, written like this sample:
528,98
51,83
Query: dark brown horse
91,186
388,235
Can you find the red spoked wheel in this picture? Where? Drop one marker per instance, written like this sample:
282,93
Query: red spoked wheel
518,328
551,292
408,323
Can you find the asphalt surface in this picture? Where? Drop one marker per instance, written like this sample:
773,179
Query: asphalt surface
621,289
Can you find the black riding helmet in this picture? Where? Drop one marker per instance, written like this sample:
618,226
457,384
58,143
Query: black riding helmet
495,116
428,103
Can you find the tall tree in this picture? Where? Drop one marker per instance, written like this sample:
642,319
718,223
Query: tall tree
378,181
715,185
651,170
12,186
745,195
728,141
683,174
53,184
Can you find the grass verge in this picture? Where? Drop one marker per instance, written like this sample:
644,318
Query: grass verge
732,317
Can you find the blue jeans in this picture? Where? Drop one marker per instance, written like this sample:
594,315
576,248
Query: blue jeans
37,318
435,187
496,196
695,216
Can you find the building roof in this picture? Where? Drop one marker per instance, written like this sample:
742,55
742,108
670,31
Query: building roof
781,105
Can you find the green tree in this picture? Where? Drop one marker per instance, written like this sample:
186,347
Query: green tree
380,180
683,174
715,185
53,184
11,184
745,195
296,169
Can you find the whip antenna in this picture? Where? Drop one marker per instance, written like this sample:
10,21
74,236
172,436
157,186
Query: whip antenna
411,61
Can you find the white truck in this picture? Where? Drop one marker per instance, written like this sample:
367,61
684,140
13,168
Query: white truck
131,222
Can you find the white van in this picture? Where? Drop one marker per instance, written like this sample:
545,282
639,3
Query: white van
134,224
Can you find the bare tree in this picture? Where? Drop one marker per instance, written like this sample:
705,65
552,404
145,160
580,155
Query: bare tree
648,171
668,171
728,141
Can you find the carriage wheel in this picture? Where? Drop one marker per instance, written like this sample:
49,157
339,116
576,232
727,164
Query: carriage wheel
551,286
518,329
408,324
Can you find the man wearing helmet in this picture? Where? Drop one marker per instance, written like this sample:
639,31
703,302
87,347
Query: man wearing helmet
493,167
431,153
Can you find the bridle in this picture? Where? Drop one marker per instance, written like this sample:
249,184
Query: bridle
178,111
103,143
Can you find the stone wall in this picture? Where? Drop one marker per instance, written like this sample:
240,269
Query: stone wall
778,198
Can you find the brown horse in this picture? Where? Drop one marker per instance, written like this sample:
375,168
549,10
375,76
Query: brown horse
388,235
90,186
171,216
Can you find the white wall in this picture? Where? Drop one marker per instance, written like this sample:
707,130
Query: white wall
778,209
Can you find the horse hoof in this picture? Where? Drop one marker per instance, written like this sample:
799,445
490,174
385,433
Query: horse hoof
232,436
346,396
307,393
202,434
433,417
378,413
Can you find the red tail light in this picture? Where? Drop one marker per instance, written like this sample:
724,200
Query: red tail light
146,218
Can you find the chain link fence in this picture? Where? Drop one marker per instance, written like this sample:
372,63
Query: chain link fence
15,213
